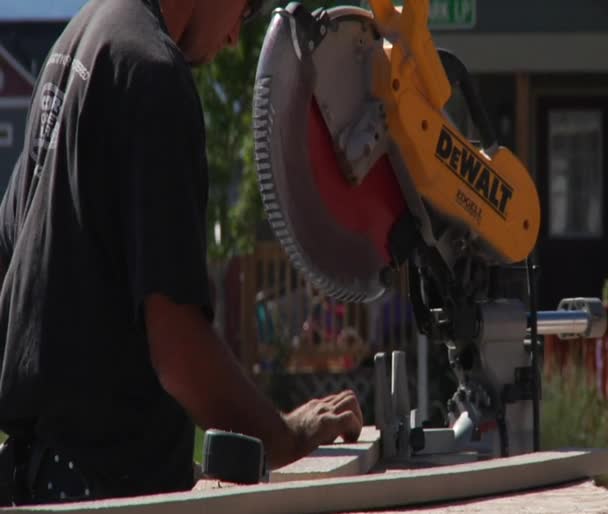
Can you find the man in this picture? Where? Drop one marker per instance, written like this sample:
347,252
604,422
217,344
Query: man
108,351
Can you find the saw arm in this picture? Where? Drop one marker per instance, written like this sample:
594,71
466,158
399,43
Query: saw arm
486,189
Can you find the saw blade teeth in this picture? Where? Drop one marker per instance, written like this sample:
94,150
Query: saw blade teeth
262,89
273,206
265,186
264,115
263,83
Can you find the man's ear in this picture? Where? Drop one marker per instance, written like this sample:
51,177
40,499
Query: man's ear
177,14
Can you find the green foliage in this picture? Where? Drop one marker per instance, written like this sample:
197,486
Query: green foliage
225,86
573,412
226,89
199,437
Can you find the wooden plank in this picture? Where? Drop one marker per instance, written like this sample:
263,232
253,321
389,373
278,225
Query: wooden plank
337,460
375,491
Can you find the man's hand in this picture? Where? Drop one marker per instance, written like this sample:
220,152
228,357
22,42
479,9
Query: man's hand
321,422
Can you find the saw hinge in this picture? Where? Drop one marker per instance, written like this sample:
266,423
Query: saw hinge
311,28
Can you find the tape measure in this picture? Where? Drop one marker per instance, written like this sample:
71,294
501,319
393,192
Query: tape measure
232,457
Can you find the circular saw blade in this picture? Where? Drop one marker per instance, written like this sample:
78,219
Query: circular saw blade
335,232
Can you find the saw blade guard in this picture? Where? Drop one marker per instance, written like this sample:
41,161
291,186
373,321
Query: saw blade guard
335,233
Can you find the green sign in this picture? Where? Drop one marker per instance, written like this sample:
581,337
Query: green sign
447,14
453,14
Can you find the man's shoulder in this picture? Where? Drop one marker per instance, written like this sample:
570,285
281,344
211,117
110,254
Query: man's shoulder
127,34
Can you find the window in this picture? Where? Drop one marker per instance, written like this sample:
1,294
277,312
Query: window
6,135
575,174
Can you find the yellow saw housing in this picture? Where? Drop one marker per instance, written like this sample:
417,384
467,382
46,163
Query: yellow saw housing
495,195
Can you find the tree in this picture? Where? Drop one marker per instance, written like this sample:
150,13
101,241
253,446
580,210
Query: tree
225,86
226,89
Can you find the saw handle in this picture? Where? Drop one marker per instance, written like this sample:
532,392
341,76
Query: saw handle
459,75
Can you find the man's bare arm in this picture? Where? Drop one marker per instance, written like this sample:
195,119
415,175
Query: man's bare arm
202,374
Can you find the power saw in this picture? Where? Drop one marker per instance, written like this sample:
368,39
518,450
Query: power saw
364,164
359,160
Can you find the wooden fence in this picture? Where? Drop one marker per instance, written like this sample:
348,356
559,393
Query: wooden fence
286,322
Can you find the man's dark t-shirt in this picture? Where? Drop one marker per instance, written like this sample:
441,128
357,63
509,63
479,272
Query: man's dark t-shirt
106,205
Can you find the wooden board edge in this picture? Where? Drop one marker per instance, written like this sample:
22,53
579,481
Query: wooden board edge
403,488
355,466
365,455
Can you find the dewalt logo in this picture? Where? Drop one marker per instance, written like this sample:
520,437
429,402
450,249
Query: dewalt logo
480,178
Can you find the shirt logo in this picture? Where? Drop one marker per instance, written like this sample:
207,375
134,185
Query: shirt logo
51,105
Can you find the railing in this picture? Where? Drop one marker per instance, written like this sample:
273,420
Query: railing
286,322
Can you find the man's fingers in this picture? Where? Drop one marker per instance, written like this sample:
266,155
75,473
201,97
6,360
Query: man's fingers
349,403
337,398
345,424
349,426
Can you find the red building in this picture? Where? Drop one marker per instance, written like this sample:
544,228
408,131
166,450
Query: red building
16,86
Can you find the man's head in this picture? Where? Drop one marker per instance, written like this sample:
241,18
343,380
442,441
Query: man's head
201,28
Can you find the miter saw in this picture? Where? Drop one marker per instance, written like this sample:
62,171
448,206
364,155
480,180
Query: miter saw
362,168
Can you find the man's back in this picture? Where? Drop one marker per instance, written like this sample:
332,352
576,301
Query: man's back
105,206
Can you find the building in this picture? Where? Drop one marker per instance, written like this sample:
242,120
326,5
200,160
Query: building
16,84
28,29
